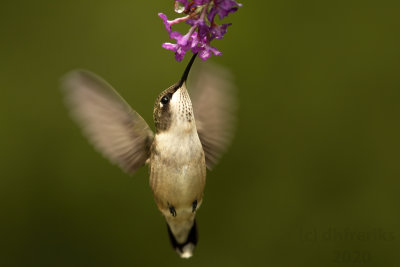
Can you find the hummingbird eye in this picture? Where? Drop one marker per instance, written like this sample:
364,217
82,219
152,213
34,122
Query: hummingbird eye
165,99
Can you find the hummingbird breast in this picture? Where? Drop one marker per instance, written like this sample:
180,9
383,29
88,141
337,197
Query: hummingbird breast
177,170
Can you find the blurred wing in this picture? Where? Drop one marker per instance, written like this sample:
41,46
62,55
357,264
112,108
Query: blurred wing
214,105
117,131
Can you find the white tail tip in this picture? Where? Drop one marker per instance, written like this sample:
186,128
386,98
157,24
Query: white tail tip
187,251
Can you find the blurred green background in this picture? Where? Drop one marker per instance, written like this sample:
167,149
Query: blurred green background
312,177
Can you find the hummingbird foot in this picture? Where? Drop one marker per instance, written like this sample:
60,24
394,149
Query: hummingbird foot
172,210
194,205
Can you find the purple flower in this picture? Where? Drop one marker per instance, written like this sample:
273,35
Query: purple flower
200,15
206,50
219,31
183,44
167,24
211,14
223,8
201,25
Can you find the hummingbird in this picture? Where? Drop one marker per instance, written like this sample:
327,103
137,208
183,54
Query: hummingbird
189,137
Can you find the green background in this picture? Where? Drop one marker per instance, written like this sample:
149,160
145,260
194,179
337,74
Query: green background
312,177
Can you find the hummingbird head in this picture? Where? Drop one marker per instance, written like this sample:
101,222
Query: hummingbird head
173,107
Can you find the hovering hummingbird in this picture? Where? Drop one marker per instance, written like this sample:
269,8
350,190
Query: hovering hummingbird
188,138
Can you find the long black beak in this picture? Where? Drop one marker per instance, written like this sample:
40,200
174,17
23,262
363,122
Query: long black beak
187,70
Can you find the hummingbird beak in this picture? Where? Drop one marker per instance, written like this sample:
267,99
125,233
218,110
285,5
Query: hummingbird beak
186,73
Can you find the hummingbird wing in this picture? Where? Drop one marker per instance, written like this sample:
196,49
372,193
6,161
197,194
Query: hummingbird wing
214,105
111,125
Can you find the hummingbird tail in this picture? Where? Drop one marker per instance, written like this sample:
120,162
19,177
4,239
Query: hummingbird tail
185,250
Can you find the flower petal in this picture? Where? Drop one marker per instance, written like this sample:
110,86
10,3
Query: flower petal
215,51
219,31
211,14
169,46
204,54
180,54
165,21
175,35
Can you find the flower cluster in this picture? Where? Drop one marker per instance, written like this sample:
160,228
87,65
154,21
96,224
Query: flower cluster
200,15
